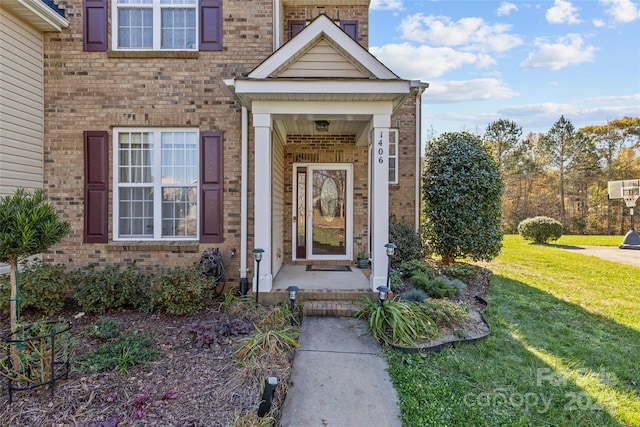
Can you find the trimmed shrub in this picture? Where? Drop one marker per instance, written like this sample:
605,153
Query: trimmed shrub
178,291
415,295
395,281
465,272
540,229
438,287
98,291
446,313
408,242
42,286
415,266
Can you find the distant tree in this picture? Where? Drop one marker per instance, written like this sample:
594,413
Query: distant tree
609,140
462,190
501,138
558,145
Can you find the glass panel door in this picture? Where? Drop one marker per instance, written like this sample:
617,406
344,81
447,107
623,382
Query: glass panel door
301,214
328,200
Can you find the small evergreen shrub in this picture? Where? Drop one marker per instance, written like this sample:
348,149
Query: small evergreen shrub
42,286
540,229
129,350
178,291
408,242
395,281
104,328
415,266
465,272
415,295
446,313
438,287
98,291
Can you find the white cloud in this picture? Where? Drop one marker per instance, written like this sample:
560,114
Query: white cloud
385,4
506,8
562,12
598,23
566,51
440,92
470,33
423,62
622,10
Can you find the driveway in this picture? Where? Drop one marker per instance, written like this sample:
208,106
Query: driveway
611,253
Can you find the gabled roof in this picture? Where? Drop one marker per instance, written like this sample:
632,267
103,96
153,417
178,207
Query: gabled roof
44,15
323,34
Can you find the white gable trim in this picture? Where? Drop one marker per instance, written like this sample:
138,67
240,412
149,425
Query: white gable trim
38,14
322,26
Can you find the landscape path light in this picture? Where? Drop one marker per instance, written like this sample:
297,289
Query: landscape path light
390,250
292,299
383,293
257,255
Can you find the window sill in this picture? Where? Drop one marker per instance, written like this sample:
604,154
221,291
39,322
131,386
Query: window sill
173,246
187,54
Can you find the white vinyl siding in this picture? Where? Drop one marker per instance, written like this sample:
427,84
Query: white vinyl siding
322,60
21,105
277,206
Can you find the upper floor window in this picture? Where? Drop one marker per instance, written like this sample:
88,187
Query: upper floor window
393,156
155,24
155,184
348,26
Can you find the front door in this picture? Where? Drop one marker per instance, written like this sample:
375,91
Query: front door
322,221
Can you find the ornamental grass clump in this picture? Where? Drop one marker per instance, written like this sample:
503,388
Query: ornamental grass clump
397,322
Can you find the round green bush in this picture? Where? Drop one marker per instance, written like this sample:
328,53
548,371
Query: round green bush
540,229
438,287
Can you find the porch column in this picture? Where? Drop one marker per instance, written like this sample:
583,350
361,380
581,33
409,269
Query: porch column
262,198
379,199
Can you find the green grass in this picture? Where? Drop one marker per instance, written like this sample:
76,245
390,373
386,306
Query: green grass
572,240
564,348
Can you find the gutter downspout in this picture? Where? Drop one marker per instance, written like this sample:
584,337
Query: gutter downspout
420,88
244,284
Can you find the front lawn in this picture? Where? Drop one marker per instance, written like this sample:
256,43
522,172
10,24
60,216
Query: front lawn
564,351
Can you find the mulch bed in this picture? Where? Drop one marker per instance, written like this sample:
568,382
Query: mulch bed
186,386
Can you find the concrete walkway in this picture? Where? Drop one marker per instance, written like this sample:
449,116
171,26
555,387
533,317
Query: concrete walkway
339,378
611,253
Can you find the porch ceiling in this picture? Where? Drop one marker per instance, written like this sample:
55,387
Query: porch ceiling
305,125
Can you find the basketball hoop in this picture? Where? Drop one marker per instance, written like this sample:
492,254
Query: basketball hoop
630,200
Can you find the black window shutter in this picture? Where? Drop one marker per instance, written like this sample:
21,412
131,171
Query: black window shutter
210,24
94,19
211,178
295,27
351,28
96,187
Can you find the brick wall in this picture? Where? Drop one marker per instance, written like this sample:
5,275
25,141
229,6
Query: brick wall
99,91
308,13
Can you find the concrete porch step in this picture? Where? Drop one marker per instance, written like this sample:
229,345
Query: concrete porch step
323,302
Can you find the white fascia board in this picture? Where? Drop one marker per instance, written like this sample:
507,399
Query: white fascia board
400,87
360,109
38,14
321,25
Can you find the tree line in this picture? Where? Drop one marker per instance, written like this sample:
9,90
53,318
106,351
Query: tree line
564,173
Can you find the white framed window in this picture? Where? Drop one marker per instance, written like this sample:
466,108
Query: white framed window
155,24
393,156
155,184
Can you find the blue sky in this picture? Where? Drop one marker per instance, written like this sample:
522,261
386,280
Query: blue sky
526,61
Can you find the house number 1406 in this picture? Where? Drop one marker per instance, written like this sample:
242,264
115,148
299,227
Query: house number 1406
380,150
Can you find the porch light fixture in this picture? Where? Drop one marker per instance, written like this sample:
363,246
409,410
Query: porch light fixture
322,125
257,255
292,299
390,249
383,293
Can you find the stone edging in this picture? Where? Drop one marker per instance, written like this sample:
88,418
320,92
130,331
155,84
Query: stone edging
437,347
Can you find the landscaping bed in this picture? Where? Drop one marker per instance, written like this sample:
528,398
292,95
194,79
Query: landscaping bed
187,383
